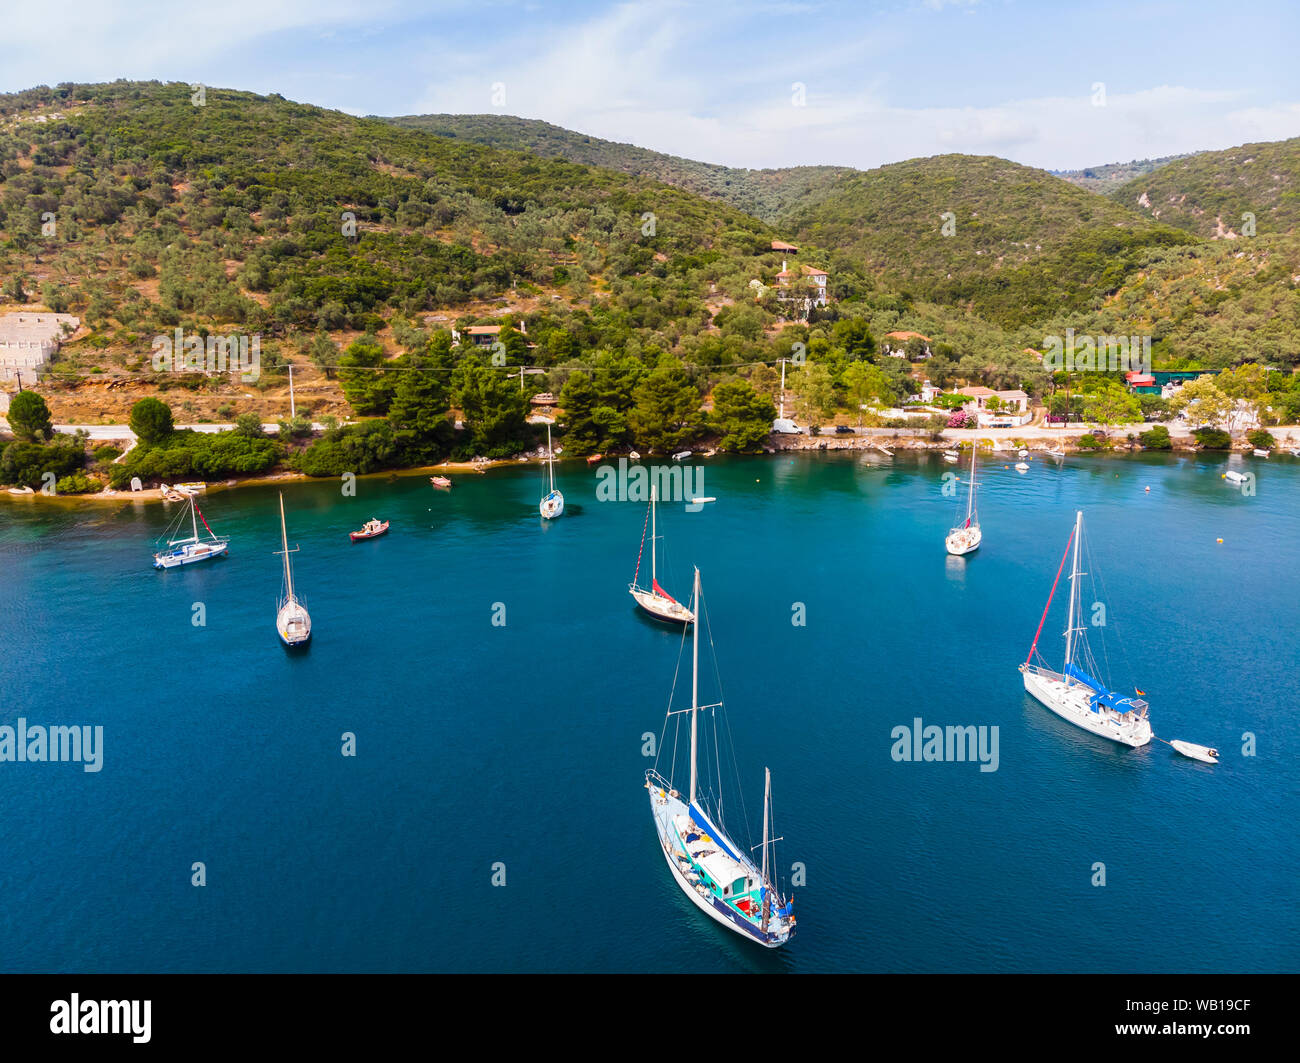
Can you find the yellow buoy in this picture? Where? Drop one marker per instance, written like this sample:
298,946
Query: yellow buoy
1218,540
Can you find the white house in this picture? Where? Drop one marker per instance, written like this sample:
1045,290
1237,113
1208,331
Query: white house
1012,407
28,340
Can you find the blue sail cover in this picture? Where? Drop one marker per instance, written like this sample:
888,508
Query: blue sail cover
1103,696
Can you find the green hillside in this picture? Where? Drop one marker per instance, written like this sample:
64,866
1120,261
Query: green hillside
1208,193
766,194
1105,178
1024,244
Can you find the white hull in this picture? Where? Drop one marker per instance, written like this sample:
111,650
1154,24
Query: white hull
1070,701
190,555
1202,753
962,541
664,810
662,608
552,505
293,623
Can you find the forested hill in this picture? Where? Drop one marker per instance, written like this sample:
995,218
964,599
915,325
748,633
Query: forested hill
766,194
1208,193
1014,243
1110,176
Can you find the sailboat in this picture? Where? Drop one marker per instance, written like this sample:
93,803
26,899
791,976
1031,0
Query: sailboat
966,537
1073,693
552,504
656,601
191,548
291,618
712,870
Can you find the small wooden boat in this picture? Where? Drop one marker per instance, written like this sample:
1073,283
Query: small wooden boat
439,481
1202,753
372,529
595,458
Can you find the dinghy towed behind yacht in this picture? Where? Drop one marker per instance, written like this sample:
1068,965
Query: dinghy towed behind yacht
552,504
656,601
292,621
966,537
711,869
1073,693
191,548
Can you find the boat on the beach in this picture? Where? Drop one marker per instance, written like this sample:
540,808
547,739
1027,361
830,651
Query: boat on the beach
21,491
372,529
681,455
192,548
1201,753
552,504
292,621
634,455
194,487
593,458
1074,693
967,536
439,481
656,601
715,872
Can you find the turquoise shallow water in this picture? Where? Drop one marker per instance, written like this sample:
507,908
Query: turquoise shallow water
521,744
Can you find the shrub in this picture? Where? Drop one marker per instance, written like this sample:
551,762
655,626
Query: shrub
77,484
1213,439
1260,439
151,420
1091,442
1156,439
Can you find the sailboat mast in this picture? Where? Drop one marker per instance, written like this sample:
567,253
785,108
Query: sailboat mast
654,539
767,804
1074,576
284,542
550,455
695,680
194,521
970,505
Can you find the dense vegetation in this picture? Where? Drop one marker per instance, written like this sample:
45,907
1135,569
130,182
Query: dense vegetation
1110,176
766,194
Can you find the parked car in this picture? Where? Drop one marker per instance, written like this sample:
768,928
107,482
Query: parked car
843,429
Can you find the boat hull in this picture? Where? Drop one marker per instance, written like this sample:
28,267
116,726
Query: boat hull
293,624
189,557
663,809
662,608
552,505
962,541
1070,703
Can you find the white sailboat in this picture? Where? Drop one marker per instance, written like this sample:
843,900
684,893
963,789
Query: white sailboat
717,875
291,618
656,601
552,504
189,549
966,537
1073,693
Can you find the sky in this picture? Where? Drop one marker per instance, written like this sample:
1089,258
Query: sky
765,83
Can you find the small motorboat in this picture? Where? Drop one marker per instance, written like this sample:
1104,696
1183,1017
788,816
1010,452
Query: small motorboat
1260,453
1022,453
701,501
21,491
439,481
1202,753
193,488
1235,477
634,456
372,529
1022,466
951,456
593,458
681,455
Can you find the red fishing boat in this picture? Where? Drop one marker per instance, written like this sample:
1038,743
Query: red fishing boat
372,529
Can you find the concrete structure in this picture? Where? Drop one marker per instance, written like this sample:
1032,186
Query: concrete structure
29,339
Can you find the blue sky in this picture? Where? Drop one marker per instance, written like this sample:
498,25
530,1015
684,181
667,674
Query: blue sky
881,81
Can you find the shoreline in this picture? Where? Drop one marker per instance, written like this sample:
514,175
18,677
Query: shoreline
893,439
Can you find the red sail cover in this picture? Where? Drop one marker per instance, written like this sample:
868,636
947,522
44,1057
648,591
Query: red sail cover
661,592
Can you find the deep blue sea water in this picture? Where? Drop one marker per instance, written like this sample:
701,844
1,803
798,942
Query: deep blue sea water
522,744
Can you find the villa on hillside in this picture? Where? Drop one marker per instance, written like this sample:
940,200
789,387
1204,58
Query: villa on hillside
997,409
484,335
29,340
781,245
895,344
815,280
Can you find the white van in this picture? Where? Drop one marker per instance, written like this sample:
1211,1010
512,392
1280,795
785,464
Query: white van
786,427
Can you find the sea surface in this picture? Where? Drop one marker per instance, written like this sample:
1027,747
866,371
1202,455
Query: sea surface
499,683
